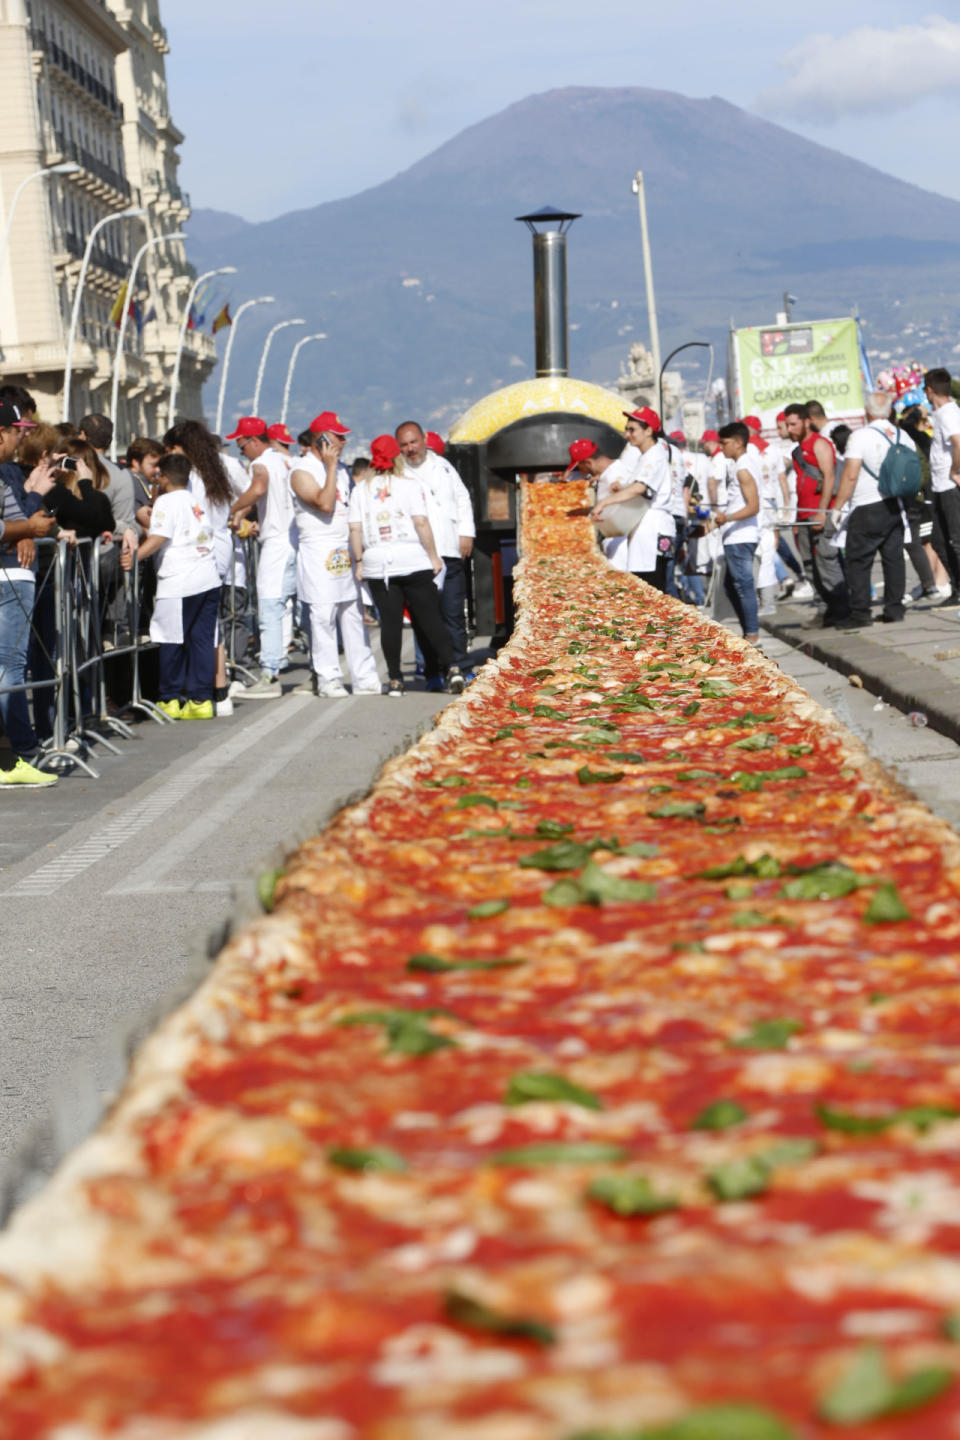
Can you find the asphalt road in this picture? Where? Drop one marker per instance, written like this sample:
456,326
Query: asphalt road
115,893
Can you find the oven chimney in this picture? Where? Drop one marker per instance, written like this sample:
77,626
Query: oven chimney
550,287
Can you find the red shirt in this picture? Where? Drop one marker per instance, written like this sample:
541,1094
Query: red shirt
810,476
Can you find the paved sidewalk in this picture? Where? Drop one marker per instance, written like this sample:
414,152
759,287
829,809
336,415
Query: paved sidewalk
914,665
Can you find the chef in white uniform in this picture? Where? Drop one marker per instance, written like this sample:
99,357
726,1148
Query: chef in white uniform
650,545
610,475
326,581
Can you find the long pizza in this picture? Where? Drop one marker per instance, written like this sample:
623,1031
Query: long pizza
597,1077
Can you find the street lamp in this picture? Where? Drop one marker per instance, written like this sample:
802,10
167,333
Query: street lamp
290,368
184,323
689,345
122,330
263,359
262,300
130,214
637,187
66,167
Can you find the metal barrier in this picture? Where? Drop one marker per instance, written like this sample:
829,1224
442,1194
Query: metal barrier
240,618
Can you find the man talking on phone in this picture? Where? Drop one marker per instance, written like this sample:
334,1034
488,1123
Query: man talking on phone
17,585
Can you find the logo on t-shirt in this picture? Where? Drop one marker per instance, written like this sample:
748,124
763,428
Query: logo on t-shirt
338,562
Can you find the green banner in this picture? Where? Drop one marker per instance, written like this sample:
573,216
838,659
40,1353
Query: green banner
779,366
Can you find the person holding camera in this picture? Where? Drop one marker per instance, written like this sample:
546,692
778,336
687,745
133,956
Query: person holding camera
18,530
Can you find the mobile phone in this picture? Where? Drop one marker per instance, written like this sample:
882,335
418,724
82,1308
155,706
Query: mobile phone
67,462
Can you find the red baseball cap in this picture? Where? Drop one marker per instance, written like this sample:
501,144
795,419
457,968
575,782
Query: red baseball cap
782,415
645,415
249,426
753,422
709,435
328,421
281,433
679,436
383,451
580,450
434,443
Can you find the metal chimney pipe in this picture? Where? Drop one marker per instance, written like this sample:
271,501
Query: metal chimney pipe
550,287
550,303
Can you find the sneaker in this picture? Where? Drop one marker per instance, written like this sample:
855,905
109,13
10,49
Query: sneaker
848,623
369,687
197,710
71,745
268,687
455,680
767,610
333,690
224,708
27,776
395,689
170,708
237,690
433,685
804,591
306,687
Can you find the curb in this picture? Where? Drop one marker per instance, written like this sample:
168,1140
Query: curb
904,683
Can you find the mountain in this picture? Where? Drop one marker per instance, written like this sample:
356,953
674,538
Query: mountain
423,284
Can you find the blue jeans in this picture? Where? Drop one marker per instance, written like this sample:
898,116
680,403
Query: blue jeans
453,599
16,609
739,587
270,614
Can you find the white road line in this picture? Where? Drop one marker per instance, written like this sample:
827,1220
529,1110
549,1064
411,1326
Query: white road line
171,791
148,878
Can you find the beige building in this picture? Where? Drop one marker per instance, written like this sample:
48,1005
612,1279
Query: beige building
84,82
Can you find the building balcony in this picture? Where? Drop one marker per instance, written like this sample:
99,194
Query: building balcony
97,175
75,246
77,73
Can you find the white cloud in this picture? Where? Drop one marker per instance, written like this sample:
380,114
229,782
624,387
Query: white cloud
868,69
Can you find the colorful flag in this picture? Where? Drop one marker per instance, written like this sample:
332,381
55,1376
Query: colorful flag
192,318
222,320
118,304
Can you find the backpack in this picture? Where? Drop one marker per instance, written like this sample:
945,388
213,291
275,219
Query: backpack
901,473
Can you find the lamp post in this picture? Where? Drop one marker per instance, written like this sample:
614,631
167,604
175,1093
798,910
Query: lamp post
261,300
263,359
637,187
184,323
130,214
290,369
66,167
124,313
689,345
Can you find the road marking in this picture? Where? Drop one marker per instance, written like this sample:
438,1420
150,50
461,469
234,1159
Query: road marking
172,791
147,879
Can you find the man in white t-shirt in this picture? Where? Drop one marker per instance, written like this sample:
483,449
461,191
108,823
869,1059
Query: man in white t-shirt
738,521
269,490
876,522
945,470
450,512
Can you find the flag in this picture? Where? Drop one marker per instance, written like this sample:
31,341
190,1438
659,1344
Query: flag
136,315
192,318
118,304
222,320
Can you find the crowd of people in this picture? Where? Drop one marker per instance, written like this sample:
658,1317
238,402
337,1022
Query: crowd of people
327,549
802,514
332,549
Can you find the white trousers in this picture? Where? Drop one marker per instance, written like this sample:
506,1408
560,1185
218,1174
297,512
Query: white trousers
323,642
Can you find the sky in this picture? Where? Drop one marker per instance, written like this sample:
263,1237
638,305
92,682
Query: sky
288,105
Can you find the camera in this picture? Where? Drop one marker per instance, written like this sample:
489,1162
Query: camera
67,462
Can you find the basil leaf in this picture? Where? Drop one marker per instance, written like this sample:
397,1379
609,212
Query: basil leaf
586,776
740,890
376,1158
691,709
543,673
679,810
764,868
685,775
796,750
723,1422
754,920
863,1391
660,790
721,1115
922,1117
886,907
547,712
487,908
462,1310
466,802
630,1195
505,733
951,1326
437,965
767,1035
600,886
565,855
529,1085
407,1031
739,1179
763,741
551,830
448,782
717,689
563,893
266,888
626,757
640,848
829,881
919,1388
559,1152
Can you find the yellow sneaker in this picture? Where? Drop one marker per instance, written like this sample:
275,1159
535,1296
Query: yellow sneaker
27,776
197,710
171,708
